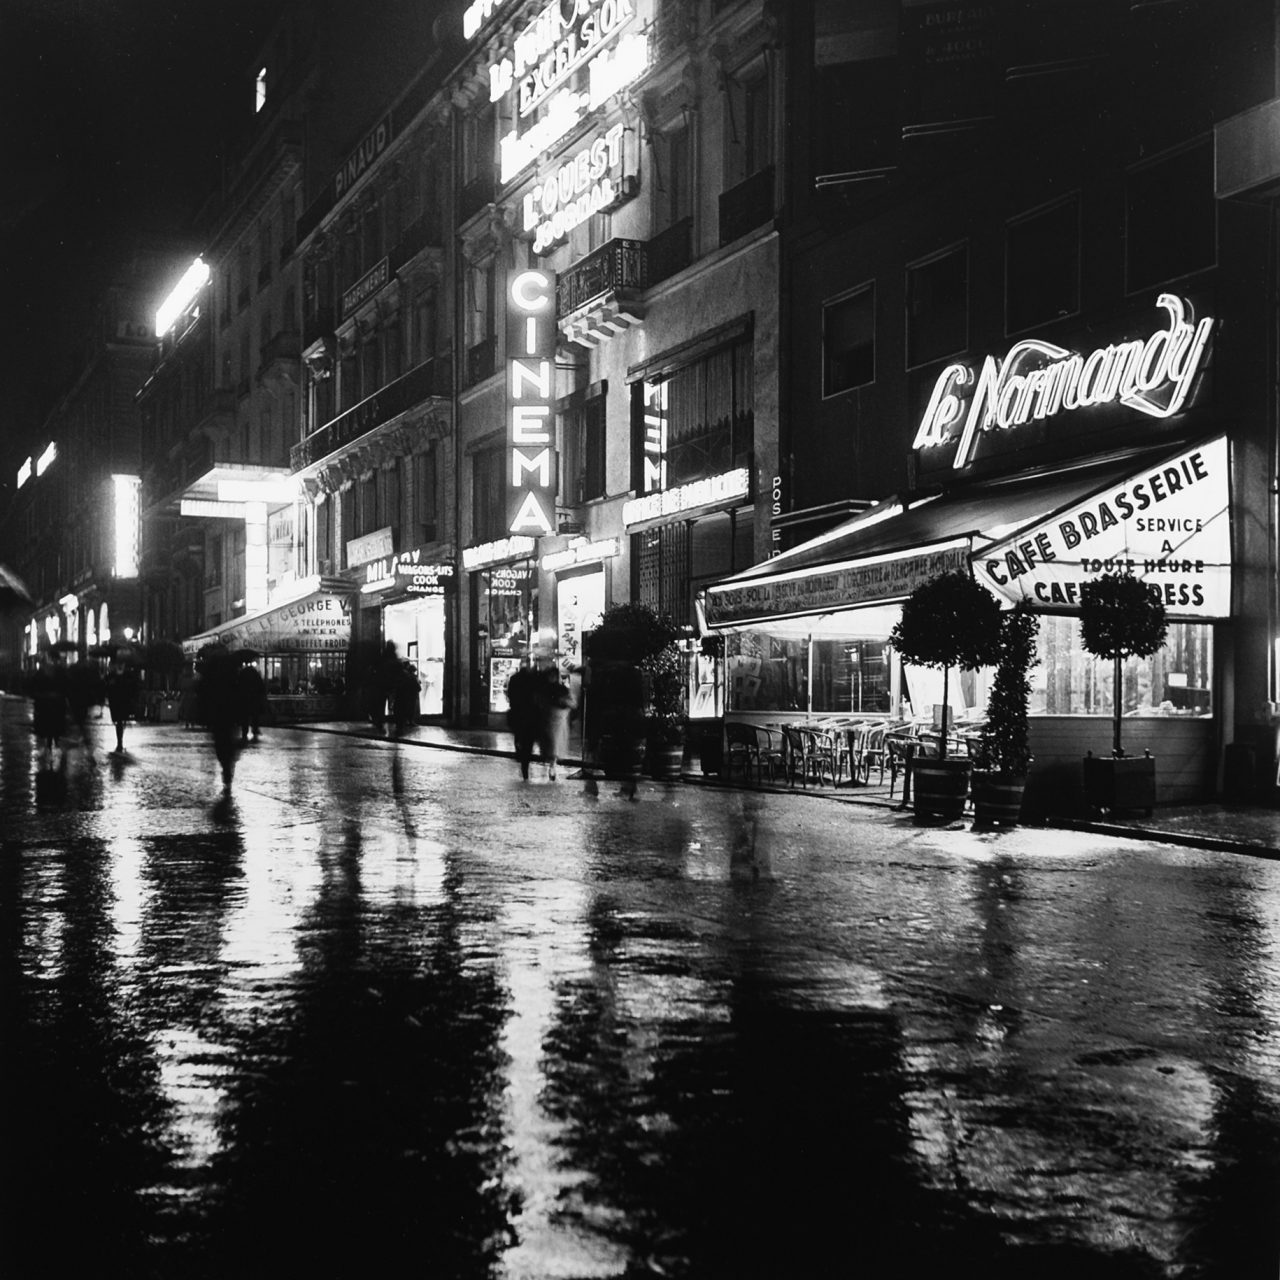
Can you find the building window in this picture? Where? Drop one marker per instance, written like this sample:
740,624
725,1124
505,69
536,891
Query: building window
698,420
582,435
673,177
370,367
489,494
1042,266
367,516
422,328
748,131
480,303
938,306
424,496
849,341
765,673
660,563
1170,218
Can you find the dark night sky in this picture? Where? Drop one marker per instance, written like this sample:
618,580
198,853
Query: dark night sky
111,115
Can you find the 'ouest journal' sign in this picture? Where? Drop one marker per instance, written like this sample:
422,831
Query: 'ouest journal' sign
1038,379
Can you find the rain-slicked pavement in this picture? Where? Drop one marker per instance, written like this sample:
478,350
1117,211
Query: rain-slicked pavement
391,1011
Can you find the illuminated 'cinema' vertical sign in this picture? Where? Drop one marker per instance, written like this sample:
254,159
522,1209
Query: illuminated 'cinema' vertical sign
531,348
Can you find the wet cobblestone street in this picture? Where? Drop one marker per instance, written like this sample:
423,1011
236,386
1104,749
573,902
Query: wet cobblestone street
392,1011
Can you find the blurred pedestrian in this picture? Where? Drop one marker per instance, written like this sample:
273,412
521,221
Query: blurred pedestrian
382,685
405,696
188,705
522,713
84,691
122,696
217,672
47,687
251,695
554,704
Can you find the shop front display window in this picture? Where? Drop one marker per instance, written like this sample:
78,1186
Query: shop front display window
1177,680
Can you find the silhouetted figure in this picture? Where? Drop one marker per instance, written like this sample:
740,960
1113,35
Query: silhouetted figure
218,673
251,691
554,702
404,697
522,713
48,690
188,705
84,691
382,685
122,697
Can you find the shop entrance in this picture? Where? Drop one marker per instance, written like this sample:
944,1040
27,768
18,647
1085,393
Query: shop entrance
418,629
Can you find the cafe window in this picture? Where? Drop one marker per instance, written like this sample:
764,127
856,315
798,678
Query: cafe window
849,341
1042,266
938,306
1170,218
834,677
1174,681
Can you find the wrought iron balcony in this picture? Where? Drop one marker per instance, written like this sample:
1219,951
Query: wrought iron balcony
429,379
617,267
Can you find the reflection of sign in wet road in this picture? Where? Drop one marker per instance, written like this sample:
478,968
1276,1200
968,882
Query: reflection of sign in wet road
396,993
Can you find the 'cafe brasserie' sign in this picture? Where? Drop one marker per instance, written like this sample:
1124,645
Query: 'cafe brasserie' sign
1038,379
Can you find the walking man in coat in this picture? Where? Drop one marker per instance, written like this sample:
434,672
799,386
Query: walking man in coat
522,713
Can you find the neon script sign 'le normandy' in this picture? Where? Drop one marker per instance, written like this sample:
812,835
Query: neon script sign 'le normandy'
1037,379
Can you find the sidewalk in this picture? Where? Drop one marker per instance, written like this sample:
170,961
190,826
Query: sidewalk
1226,828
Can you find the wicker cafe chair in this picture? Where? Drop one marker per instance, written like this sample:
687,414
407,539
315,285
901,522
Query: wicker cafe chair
742,751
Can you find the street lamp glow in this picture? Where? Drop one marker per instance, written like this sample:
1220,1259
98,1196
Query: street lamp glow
195,278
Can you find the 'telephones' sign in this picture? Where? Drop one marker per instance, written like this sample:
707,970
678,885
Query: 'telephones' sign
531,346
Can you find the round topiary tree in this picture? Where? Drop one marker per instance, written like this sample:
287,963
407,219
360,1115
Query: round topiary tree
1120,617
949,621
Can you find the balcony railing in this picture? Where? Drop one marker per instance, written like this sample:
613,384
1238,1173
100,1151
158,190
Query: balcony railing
430,379
747,206
615,267
671,250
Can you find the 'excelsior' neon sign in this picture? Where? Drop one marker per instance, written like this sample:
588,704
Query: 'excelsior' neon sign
1037,379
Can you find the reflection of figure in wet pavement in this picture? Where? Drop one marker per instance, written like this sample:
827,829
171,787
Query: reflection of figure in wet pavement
522,713
219,707
749,857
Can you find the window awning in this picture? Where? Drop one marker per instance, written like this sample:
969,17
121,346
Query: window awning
881,555
313,623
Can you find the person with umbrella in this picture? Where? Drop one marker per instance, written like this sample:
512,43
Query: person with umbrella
84,691
218,672
48,691
122,694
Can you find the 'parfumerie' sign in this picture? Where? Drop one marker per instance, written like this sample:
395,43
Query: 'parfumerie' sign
1038,379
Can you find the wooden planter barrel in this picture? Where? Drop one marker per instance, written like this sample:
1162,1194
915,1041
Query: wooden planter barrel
1120,782
940,789
997,797
622,757
665,762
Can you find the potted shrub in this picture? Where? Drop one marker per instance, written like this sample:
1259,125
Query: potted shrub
1004,751
625,652
949,621
1120,617
665,730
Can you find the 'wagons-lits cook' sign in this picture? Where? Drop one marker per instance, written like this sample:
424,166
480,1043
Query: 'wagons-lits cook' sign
1037,379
